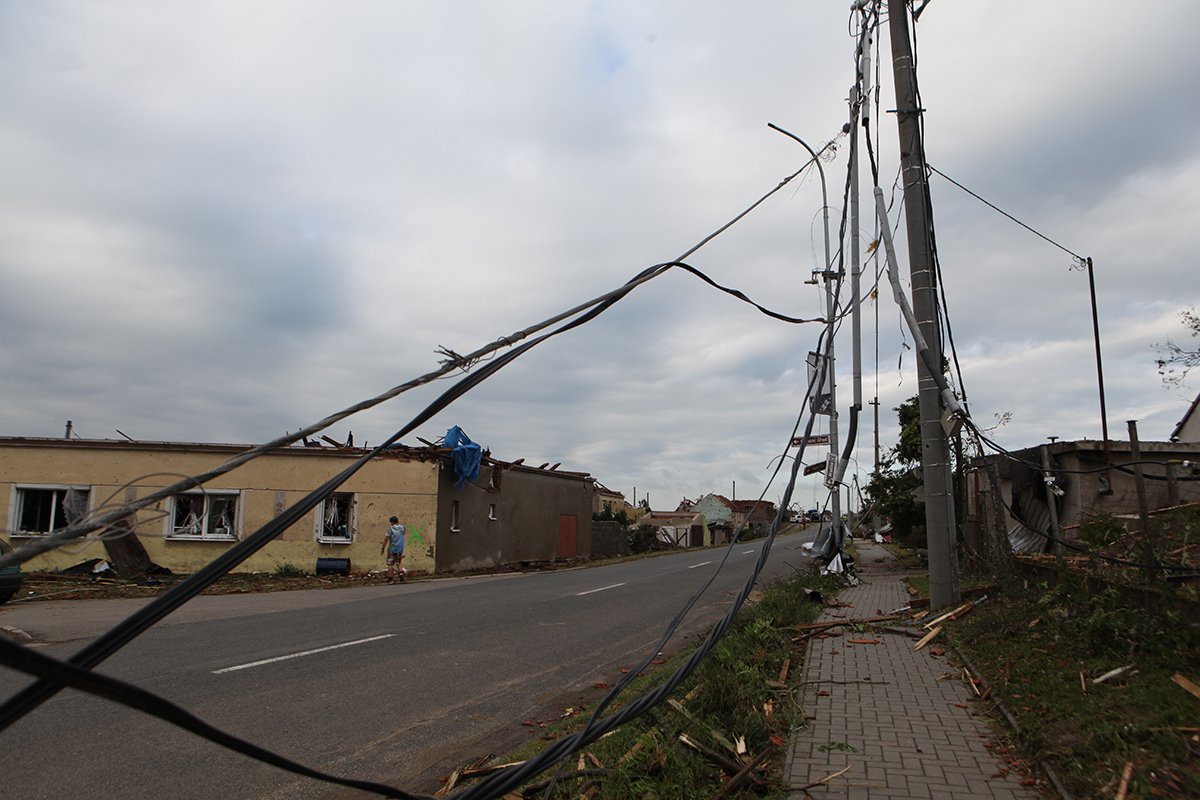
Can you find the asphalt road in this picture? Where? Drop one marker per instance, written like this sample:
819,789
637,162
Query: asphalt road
397,684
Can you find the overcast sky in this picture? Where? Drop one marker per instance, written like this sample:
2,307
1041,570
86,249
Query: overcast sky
223,221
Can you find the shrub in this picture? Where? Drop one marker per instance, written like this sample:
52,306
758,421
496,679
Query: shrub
287,569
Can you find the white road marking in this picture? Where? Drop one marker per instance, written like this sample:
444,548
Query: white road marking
298,655
744,552
701,564
601,589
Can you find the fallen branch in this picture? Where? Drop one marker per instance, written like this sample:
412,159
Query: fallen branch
745,773
534,788
824,780
730,766
715,734
637,746
480,772
816,626
1176,729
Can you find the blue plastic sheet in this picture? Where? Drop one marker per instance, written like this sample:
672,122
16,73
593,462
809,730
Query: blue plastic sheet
464,454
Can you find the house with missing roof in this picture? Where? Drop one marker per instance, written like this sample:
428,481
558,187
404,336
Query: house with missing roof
506,513
678,528
725,516
1009,498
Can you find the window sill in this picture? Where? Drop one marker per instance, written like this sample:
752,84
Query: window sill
335,541
178,537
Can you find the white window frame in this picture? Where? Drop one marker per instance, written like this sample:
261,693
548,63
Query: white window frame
171,532
16,505
351,523
492,511
455,512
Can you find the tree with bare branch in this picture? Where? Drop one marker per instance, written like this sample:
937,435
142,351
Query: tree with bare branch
1174,362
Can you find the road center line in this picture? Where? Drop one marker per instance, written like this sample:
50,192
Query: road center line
601,589
701,564
304,653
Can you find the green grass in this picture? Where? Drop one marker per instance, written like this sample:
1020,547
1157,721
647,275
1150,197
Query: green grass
727,697
1032,644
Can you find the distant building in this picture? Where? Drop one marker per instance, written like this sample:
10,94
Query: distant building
612,501
727,515
678,528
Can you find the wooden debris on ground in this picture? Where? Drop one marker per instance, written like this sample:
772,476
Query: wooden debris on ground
965,608
825,780
1186,685
1123,789
482,771
742,776
716,735
1112,673
927,638
459,773
781,683
730,766
637,746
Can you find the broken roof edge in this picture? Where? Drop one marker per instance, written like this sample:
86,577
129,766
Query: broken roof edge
1174,437
397,451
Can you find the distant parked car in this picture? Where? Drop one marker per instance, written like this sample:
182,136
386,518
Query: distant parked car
10,577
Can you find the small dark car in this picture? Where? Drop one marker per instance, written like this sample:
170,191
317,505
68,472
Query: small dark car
10,577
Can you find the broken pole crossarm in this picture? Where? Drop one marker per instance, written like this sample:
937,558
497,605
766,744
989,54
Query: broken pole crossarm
893,270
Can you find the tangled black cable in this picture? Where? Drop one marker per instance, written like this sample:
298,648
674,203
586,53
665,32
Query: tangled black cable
498,784
74,671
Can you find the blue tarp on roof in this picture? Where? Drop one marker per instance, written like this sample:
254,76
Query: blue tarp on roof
464,454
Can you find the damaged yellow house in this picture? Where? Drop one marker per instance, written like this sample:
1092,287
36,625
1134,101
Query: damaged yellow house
508,514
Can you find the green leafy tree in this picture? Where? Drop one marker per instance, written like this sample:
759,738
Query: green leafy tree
893,489
1174,362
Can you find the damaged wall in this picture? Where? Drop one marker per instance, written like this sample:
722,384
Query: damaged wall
512,514
1088,490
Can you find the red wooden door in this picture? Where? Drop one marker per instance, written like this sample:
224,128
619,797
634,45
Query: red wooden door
566,535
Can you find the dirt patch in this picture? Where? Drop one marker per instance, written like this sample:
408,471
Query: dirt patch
57,586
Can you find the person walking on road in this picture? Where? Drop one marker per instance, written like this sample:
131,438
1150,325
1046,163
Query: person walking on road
393,546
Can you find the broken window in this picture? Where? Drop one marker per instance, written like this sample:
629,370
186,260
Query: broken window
335,519
204,515
44,509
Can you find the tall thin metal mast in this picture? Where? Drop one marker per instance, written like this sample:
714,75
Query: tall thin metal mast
857,100
935,450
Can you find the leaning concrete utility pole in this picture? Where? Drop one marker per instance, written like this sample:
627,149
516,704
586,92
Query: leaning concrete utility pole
935,450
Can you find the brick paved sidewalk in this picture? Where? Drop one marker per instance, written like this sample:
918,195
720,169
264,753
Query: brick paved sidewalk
881,710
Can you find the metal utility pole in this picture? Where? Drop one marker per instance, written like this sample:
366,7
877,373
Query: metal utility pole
935,450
